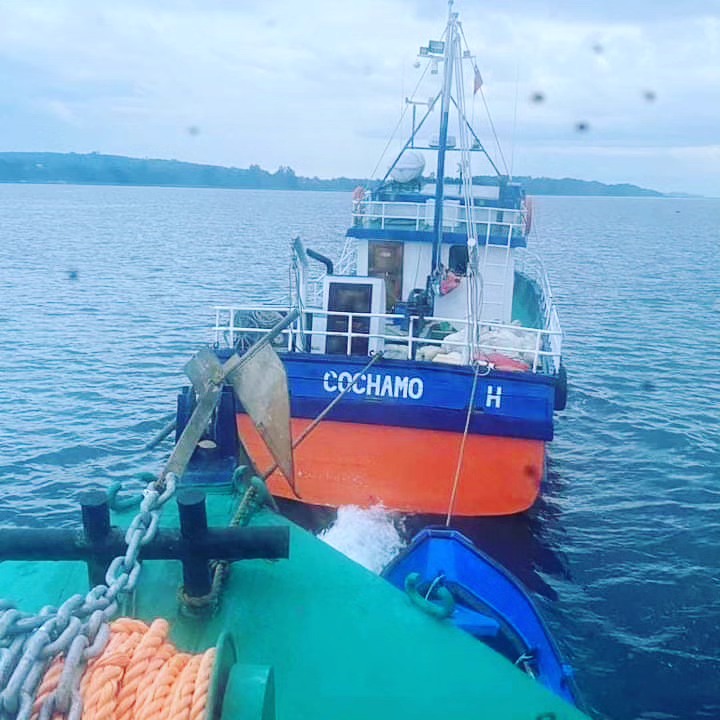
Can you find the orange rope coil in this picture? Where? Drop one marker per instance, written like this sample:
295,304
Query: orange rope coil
139,676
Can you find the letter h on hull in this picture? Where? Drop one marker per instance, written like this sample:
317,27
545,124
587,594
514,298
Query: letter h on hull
494,396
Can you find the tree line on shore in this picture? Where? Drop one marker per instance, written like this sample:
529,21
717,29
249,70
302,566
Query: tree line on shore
98,169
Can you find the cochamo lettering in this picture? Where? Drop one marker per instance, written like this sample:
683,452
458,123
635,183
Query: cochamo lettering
374,384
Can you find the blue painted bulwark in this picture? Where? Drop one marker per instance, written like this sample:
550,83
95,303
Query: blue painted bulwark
408,393
490,603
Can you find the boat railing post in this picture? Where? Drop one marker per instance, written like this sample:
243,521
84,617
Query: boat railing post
197,578
233,328
537,350
96,525
349,334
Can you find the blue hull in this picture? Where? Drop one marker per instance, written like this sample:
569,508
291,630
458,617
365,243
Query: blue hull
484,600
422,395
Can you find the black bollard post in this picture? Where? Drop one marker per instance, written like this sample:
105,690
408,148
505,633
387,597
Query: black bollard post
197,578
96,524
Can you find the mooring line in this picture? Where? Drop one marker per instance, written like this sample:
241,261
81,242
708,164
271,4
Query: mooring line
461,454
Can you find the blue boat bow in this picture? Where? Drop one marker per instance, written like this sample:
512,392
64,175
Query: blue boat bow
445,572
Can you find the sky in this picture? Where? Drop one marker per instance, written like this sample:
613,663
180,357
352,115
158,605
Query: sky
319,85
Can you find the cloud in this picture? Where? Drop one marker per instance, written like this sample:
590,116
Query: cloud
319,85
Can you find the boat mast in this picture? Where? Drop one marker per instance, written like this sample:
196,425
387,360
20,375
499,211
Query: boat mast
448,58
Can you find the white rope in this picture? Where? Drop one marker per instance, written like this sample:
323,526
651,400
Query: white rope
494,132
474,275
487,109
402,117
461,454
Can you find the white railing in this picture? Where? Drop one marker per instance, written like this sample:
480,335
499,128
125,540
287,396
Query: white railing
531,265
555,337
420,216
539,349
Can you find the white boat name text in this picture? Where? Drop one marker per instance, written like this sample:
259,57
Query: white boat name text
375,384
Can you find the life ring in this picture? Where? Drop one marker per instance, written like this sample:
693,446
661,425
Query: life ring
358,196
528,214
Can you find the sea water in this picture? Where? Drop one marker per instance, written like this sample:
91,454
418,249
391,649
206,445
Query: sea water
105,292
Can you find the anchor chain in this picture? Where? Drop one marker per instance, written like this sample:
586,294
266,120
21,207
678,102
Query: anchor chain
78,629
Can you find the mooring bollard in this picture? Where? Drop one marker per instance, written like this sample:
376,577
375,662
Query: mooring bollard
96,525
193,544
197,578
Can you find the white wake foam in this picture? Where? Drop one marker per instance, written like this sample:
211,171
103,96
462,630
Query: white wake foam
368,536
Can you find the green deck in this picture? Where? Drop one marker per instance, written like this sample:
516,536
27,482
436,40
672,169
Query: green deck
343,642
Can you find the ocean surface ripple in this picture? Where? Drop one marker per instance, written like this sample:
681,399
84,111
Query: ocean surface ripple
107,291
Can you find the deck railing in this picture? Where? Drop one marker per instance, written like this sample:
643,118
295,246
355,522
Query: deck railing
399,336
531,265
489,221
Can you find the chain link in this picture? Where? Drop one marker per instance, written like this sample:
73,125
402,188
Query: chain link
78,628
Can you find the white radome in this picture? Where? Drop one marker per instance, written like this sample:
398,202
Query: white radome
409,167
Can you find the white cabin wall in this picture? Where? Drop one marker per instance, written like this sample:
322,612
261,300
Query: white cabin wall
362,258
454,304
417,258
498,267
498,279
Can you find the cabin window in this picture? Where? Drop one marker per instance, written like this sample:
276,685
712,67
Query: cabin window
386,261
458,259
348,298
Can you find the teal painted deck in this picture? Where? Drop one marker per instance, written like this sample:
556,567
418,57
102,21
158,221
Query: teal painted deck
343,643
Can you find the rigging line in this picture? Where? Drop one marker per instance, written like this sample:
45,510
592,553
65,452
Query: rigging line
402,115
412,137
474,275
481,147
377,356
399,122
515,114
461,454
487,109
494,132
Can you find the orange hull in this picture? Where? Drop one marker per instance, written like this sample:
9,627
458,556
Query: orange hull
405,469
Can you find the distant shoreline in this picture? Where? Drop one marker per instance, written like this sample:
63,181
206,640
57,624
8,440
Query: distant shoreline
117,170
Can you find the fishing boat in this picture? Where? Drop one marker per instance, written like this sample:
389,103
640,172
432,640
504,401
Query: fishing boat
431,348
448,576
227,611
